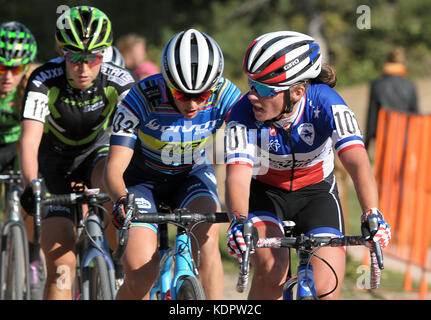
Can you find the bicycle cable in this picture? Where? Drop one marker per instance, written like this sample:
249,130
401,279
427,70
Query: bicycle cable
191,236
313,253
88,234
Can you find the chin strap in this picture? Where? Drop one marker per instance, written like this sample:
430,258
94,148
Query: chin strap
288,108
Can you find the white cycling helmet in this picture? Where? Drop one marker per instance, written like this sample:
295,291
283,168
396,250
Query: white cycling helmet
282,59
192,62
112,54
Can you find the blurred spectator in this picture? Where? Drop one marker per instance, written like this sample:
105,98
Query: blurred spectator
391,91
134,51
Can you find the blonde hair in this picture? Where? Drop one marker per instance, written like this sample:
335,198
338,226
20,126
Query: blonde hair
128,41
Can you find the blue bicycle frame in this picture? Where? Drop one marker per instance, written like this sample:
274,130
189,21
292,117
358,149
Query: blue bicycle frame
167,284
305,284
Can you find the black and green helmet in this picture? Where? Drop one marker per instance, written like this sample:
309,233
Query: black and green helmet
83,28
17,44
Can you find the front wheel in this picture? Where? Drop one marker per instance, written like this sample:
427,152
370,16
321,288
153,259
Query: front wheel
15,268
100,287
190,289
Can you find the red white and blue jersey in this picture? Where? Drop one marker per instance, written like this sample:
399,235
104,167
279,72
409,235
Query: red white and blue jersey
301,153
164,140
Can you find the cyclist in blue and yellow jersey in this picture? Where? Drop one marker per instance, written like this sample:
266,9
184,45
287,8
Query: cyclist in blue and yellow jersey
17,50
67,107
158,140
280,159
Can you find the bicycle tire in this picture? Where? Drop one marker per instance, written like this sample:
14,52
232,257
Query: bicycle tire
15,269
100,287
288,286
190,289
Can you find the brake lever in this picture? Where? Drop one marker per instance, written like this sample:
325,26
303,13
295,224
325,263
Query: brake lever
374,226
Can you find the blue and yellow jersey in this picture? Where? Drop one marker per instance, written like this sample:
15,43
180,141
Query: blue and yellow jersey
149,122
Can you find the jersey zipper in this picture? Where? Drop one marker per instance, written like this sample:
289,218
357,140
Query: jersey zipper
289,138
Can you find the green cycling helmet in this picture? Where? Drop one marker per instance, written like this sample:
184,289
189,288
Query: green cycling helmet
17,44
83,28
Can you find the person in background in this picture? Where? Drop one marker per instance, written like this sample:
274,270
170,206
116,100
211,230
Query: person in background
134,50
392,91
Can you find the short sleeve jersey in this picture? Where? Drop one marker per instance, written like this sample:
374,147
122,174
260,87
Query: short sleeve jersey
73,118
164,140
300,153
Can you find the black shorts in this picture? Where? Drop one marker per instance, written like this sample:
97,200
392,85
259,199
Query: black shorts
59,171
314,209
8,155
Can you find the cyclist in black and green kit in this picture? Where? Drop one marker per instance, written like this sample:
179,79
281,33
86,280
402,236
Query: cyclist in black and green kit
66,111
17,50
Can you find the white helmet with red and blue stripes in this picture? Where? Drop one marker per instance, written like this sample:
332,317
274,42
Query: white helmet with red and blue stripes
282,59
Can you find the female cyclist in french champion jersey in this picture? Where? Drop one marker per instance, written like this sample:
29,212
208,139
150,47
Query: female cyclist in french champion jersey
280,160
158,141
67,107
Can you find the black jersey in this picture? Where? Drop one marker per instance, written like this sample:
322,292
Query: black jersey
73,118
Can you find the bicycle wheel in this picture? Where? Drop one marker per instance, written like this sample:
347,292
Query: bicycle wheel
15,268
100,287
190,289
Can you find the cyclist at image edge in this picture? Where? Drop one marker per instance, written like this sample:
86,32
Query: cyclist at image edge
158,138
67,107
17,50
293,116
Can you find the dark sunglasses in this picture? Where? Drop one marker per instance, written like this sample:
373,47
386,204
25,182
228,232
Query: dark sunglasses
15,70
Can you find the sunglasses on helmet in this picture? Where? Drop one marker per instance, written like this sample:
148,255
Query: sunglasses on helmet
78,58
185,97
15,70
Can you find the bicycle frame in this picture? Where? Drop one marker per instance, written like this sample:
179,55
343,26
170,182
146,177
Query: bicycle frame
92,241
185,271
12,207
167,284
95,244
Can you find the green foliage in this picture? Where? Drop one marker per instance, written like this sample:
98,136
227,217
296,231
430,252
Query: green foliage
357,54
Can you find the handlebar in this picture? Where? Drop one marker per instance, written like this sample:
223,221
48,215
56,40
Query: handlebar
90,196
179,216
305,243
10,176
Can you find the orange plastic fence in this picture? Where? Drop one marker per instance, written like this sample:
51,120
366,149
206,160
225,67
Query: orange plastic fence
403,174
